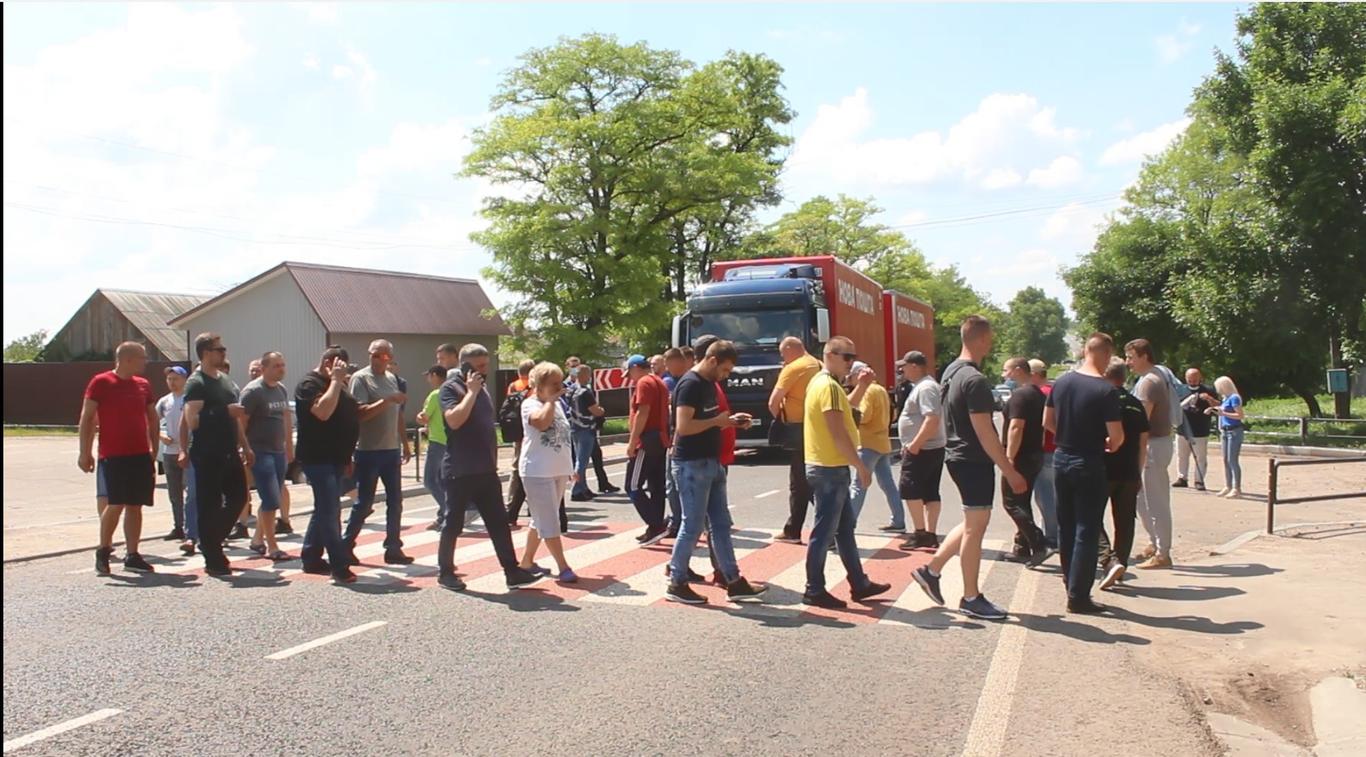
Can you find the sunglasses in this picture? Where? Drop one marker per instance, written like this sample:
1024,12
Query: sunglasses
849,357
217,349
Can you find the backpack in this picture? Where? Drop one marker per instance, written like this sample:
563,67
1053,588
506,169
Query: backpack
510,417
1179,391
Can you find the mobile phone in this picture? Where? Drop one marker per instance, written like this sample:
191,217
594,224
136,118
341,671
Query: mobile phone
467,370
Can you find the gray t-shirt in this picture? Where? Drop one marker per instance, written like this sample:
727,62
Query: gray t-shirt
1152,387
381,431
924,400
266,407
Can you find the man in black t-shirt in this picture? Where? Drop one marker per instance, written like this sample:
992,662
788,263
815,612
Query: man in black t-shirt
329,426
1124,473
216,449
1201,399
972,450
701,478
1023,440
1083,412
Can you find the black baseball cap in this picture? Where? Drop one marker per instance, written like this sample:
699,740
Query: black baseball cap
914,357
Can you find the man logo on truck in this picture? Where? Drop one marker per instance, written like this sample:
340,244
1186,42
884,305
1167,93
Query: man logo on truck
745,382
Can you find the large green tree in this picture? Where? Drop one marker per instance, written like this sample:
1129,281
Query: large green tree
1242,247
1035,327
600,150
26,349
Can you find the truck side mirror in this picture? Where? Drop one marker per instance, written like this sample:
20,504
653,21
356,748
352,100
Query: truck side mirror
822,325
677,334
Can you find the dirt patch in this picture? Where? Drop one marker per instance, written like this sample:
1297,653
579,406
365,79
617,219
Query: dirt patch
1276,701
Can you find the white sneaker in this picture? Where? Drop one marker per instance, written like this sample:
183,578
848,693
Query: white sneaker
1223,492
1234,493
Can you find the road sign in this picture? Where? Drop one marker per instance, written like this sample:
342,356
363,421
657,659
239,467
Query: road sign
1337,380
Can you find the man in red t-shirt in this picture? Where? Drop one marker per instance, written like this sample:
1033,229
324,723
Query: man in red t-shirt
647,447
121,401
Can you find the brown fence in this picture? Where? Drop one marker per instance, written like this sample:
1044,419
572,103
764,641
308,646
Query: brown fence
49,394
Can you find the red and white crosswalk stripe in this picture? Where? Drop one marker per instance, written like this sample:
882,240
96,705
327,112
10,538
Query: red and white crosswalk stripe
613,569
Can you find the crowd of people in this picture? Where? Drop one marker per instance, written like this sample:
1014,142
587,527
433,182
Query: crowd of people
1069,448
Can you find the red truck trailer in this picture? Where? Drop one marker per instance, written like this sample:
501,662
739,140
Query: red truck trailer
909,326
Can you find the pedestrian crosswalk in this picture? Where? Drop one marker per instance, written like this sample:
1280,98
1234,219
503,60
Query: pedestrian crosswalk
614,570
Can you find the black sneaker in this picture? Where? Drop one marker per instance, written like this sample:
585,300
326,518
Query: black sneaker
824,599
320,568
175,535
588,497
693,576
929,583
1016,557
218,570
609,489
102,556
1084,607
396,557
451,581
653,536
344,578
890,529
355,560
239,531
1039,556
981,608
283,528
134,561
685,594
520,579
871,589
1179,483
740,589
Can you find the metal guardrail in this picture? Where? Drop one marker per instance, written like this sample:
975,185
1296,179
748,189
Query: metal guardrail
1272,498
1303,433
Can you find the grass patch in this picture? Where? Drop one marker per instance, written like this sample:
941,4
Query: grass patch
1294,407
22,431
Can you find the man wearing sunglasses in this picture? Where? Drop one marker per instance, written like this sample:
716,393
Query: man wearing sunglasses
217,448
829,437
973,448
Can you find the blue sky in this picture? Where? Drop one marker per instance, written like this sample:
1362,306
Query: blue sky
187,148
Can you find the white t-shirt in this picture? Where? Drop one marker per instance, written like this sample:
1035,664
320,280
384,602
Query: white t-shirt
924,401
545,454
169,408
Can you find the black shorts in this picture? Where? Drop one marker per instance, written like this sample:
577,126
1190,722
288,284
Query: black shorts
920,475
976,483
130,480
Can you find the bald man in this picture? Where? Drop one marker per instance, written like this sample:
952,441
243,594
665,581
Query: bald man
122,402
786,404
381,451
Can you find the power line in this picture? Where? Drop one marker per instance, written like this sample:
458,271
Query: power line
963,220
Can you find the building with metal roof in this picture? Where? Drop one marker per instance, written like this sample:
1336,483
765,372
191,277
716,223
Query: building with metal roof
111,316
301,308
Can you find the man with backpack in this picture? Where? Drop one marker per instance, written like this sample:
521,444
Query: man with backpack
1155,390
584,412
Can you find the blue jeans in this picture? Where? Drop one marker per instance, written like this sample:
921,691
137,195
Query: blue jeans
1046,497
702,492
191,506
1082,493
324,526
373,466
583,440
834,522
1231,445
881,465
269,472
433,480
671,494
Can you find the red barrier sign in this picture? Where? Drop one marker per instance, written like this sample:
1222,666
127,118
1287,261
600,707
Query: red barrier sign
606,379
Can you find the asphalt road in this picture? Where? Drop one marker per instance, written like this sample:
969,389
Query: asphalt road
606,667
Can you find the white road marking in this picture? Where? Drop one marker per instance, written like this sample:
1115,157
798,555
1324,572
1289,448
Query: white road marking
649,586
914,599
338,636
768,493
60,728
987,734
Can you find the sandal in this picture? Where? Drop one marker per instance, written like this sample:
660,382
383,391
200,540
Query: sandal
280,555
259,549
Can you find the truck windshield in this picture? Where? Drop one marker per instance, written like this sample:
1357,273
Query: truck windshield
757,328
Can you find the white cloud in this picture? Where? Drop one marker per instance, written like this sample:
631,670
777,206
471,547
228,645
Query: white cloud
1063,171
1140,146
311,62
1029,263
980,148
911,218
1074,226
433,147
1002,178
342,72
1172,47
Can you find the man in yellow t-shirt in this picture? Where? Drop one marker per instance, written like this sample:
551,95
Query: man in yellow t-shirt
786,401
830,435
875,444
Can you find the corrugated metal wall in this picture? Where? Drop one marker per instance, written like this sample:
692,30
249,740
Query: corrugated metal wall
50,394
272,315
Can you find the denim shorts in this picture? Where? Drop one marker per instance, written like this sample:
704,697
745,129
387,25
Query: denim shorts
101,488
976,483
269,472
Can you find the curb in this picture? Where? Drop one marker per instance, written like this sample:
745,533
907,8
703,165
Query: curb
407,491
1280,449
